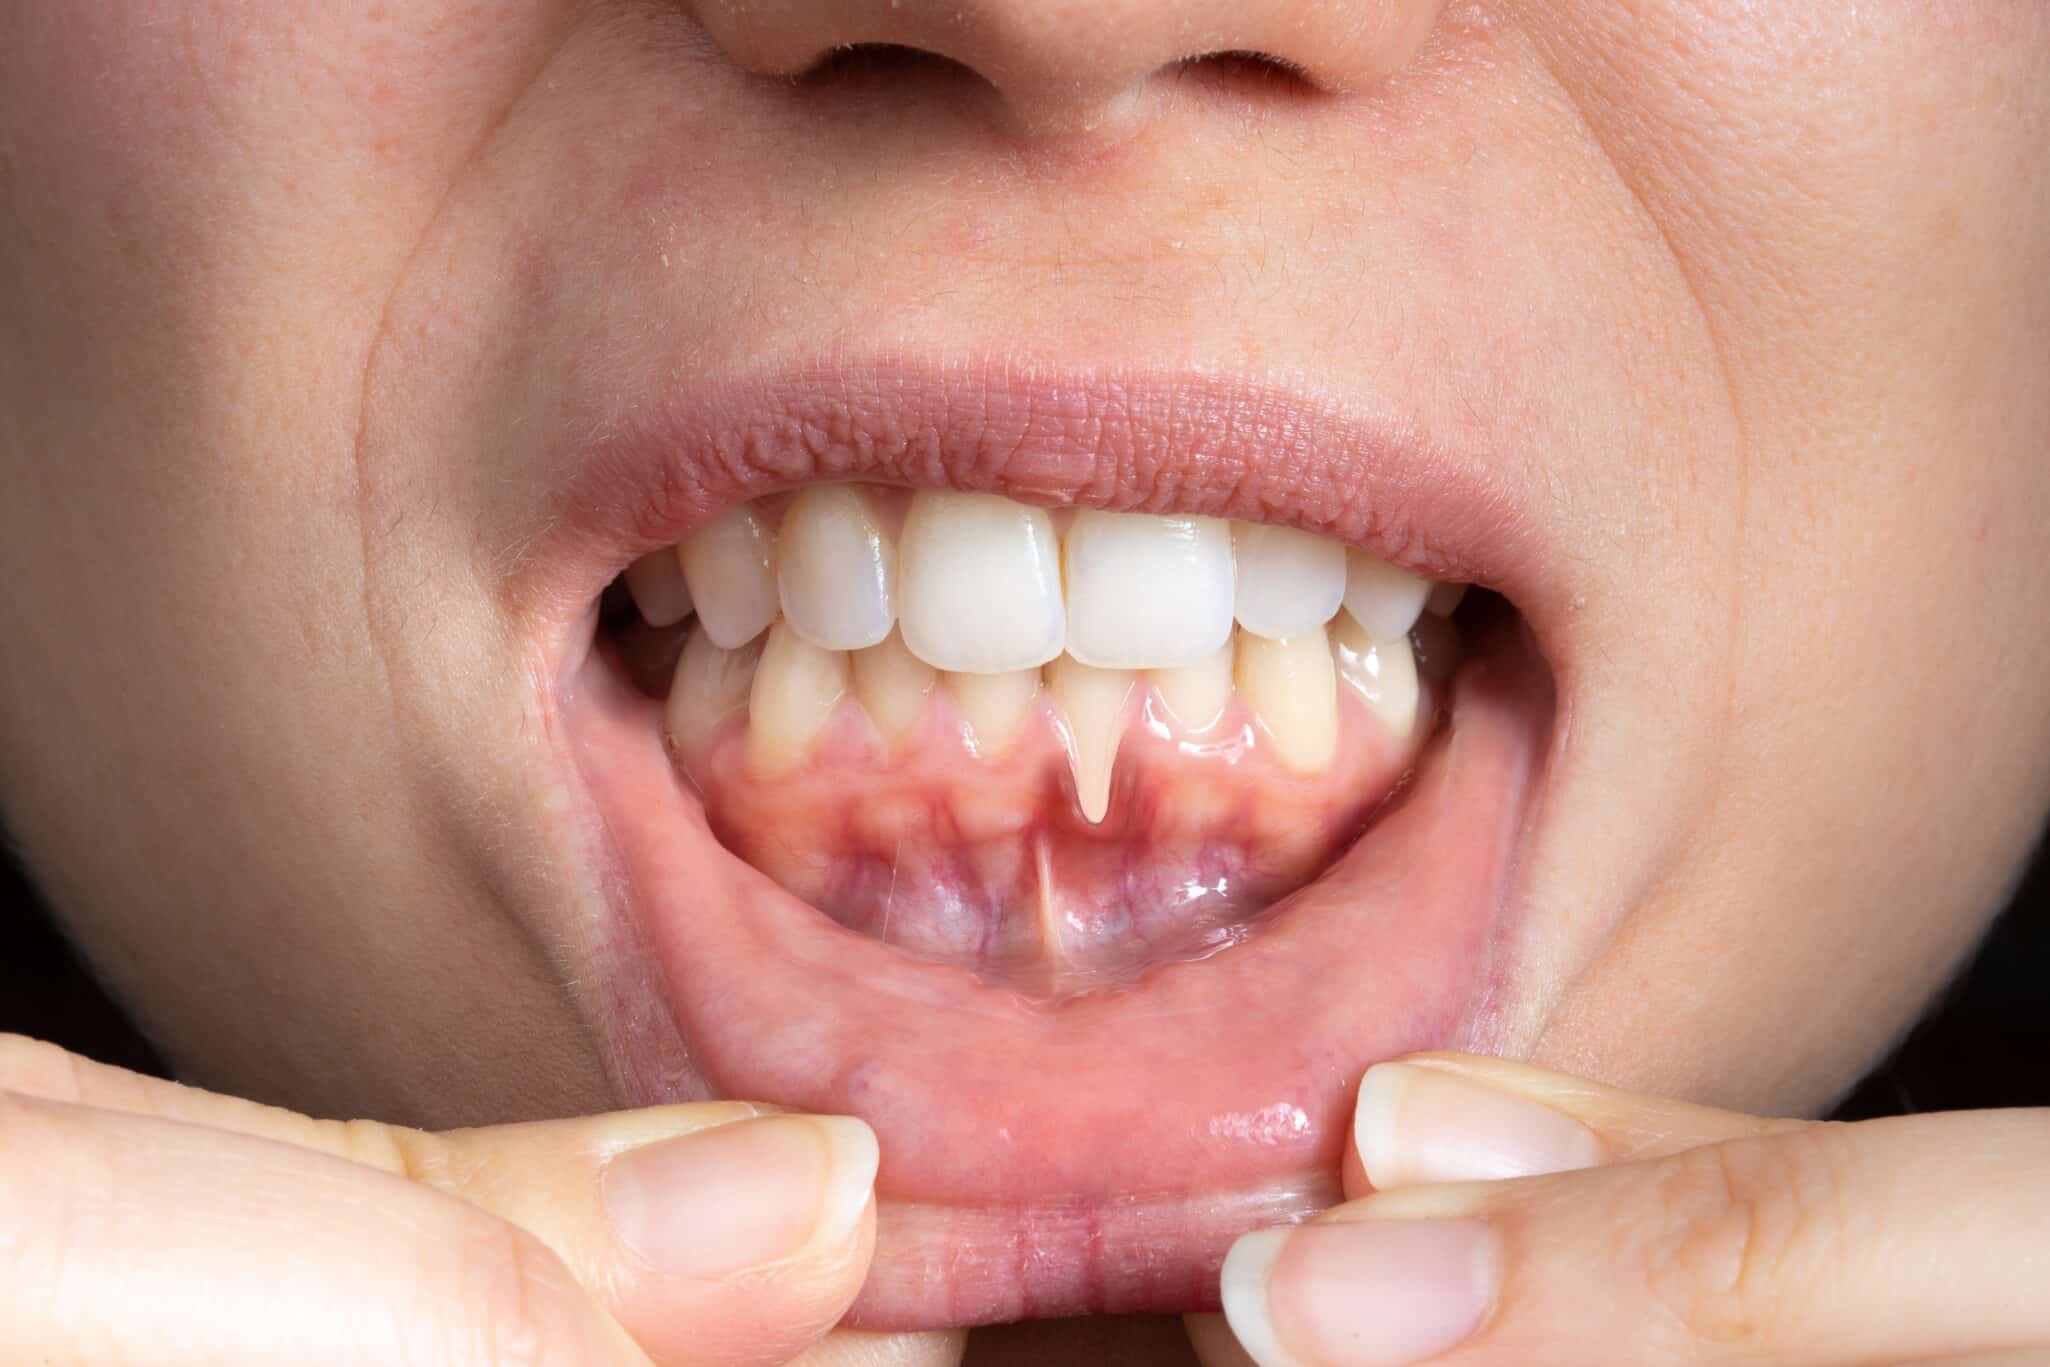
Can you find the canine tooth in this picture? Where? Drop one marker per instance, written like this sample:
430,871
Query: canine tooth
979,584
710,685
893,685
1289,581
794,694
1381,598
1094,702
730,566
836,568
655,582
1383,673
1196,695
995,706
1444,599
1147,592
1292,686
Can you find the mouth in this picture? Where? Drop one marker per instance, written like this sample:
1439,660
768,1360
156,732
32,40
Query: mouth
1083,779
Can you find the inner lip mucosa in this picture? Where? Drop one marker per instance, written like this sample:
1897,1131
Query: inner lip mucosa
1127,748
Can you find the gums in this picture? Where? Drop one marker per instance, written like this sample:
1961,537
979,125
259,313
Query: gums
987,862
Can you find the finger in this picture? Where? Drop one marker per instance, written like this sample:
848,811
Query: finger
854,1348
714,1233
1215,1344
1468,1118
1887,1241
127,1238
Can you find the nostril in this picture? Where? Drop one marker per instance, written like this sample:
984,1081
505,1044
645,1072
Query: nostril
851,63
1253,72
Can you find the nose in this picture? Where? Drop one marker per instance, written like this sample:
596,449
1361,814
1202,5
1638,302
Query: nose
1061,66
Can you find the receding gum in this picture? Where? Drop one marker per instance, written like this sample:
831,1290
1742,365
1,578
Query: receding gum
989,863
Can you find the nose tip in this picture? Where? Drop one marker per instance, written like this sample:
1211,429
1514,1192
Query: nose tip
1060,66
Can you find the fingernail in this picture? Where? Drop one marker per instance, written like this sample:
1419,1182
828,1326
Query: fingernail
1362,1293
710,1203
1417,1124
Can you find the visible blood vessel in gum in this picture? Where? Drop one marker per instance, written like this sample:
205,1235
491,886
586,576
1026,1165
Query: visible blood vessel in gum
987,862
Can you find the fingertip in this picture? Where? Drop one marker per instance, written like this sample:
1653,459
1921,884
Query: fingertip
853,1157
1242,1285
1373,1122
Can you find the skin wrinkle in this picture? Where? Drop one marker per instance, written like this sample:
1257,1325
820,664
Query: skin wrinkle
1716,794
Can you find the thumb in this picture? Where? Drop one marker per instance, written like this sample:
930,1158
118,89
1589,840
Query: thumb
714,1233
1665,1233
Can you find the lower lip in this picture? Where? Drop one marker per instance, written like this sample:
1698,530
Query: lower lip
1095,1155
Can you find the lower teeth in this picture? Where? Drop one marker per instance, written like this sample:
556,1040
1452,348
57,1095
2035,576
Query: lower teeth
1058,816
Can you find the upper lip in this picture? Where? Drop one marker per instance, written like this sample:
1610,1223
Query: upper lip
1140,440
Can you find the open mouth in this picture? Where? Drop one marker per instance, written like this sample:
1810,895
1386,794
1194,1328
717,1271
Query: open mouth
1087,833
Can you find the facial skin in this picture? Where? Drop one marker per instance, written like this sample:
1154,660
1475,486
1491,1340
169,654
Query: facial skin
1754,299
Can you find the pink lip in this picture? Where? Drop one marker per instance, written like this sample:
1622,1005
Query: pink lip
1130,440
1099,1153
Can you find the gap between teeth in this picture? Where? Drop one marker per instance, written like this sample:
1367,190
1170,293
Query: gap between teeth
891,596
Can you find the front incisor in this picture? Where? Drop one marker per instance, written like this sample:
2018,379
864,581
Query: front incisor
1094,705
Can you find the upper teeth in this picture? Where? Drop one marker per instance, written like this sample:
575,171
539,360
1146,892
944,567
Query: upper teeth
976,582
978,587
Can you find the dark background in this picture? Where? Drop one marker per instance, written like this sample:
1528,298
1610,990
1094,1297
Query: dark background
1986,1043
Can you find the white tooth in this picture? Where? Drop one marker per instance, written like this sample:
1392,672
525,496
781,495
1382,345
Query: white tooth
1383,599
994,706
710,685
1147,592
979,588
1445,599
656,583
730,564
837,568
1196,695
893,685
1095,703
1292,687
1289,581
794,694
1383,673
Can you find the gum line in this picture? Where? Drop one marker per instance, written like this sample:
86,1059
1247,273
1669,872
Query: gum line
987,862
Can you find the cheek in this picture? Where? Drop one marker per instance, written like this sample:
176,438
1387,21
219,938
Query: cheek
179,122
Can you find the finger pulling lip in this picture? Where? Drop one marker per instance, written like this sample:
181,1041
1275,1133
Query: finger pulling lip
1094,1153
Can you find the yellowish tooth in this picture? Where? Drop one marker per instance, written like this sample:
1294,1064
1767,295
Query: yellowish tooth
1382,673
656,583
1096,704
995,706
730,567
710,685
1292,686
795,691
893,685
1196,695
